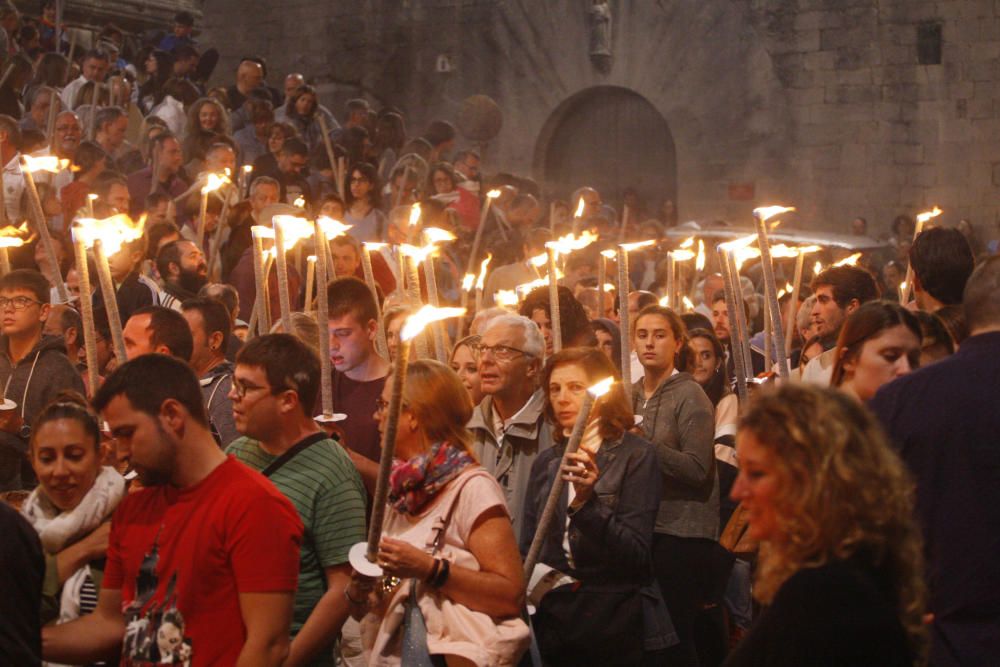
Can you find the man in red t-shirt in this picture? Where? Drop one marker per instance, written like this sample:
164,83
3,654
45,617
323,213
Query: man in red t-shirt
202,562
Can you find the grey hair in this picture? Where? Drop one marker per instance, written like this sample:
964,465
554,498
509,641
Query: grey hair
534,342
263,180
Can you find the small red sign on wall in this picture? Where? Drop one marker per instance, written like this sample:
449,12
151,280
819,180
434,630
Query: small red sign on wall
741,191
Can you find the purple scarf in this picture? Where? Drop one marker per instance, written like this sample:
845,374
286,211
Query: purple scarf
415,482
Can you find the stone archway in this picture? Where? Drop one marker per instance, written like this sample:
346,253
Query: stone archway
610,138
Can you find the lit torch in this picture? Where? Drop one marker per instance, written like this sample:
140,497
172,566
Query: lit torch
761,216
53,165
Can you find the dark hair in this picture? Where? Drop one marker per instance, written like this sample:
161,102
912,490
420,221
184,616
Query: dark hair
684,358
96,54
107,115
718,385
865,323
87,156
351,296
695,320
369,172
169,328
439,132
288,363
10,126
169,254
30,280
174,379
157,231
848,283
68,405
953,318
942,261
102,186
611,328
613,410
214,315
934,333
294,146
573,317
70,318
449,171
184,18
293,99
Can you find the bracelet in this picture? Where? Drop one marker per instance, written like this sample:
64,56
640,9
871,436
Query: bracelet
442,575
434,571
347,596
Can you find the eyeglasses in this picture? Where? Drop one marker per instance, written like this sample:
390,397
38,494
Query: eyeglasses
241,388
18,302
500,352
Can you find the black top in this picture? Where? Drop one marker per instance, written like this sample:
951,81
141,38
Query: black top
22,568
839,614
944,421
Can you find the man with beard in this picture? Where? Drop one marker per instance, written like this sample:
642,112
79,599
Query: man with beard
208,548
184,271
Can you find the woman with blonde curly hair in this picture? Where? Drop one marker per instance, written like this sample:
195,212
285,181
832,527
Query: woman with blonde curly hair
840,560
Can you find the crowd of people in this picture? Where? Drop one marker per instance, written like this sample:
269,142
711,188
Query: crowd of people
183,503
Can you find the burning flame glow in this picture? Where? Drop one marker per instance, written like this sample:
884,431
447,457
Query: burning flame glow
538,261
767,212
481,280
579,209
299,201
683,255
468,281
414,214
506,297
817,268
334,228
294,229
436,235
492,194
688,305
629,247
371,245
524,288
927,215
688,243
418,253
416,322
262,232
216,181
112,232
699,263
247,168
10,230
849,261
610,254
665,301
11,242
49,163
601,387
569,243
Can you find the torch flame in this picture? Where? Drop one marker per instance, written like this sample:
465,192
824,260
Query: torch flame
579,209
112,232
294,228
665,301
610,254
849,261
419,253
683,255
492,194
766,212
481,280
468,281
437,235
371,245
524,288
216,181
699,263
688,243
629,247
569,243
49,163
688,305
601,388
261,232
789,288
92,197
334,228
927,215
506,297
781,292
736,244
416,322
247,168
782,251
10,230
414,214
817,268
538,261
300,202
311,259
11,242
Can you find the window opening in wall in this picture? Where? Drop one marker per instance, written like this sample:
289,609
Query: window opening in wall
929,43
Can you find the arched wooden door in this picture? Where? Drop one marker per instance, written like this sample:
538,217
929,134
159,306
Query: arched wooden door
609,138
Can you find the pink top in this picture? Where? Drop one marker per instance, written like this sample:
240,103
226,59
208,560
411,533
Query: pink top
452,629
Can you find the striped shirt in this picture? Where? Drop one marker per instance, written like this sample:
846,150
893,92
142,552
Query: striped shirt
326,490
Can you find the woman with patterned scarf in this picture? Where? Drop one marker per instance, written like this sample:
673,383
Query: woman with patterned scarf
72,505
453,587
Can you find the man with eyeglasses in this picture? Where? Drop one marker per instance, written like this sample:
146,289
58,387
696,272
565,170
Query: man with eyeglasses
274,391
33,368
509,424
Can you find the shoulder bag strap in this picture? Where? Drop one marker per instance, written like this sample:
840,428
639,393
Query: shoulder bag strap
290,454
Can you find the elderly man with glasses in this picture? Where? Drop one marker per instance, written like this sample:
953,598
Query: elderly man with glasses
509,424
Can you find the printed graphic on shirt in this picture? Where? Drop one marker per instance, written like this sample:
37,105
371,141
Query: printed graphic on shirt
154,631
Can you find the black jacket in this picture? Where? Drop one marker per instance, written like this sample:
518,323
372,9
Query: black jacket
134,293
945,421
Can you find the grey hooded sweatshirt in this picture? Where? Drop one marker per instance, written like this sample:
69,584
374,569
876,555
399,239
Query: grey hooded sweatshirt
32,383
678,419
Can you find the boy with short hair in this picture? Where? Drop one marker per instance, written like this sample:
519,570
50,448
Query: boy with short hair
33,368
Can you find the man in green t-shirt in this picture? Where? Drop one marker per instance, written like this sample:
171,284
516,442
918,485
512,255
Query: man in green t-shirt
274,390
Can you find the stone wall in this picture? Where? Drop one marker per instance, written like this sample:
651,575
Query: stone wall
818,103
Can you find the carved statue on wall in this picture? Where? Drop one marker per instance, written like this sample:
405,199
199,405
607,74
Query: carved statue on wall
600,34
